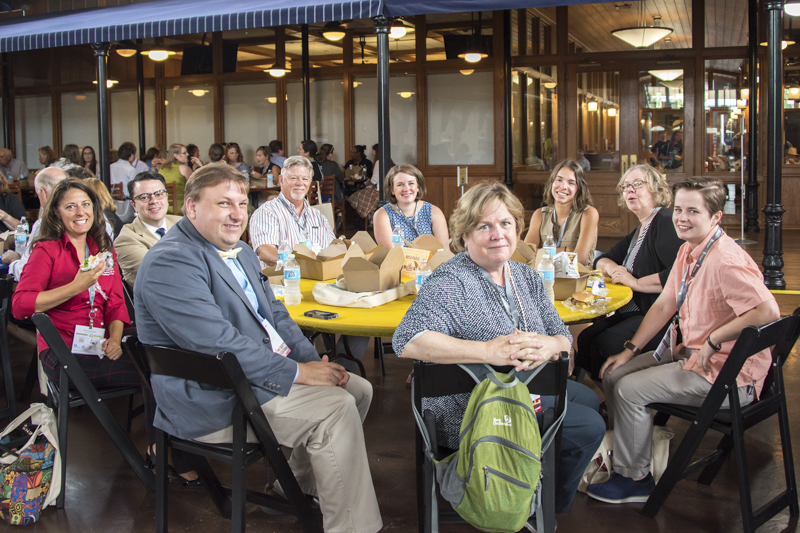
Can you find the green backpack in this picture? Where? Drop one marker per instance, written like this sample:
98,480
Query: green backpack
493,480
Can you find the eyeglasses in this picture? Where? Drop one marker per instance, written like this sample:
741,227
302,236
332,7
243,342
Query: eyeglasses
635,185
145,196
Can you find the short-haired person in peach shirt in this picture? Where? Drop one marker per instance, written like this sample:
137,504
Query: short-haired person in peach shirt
722,292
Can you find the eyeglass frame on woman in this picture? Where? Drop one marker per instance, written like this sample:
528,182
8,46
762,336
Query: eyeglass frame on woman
632,185
145,196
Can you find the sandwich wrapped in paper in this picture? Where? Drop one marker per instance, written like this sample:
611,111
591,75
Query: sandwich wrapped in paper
586,302
93,260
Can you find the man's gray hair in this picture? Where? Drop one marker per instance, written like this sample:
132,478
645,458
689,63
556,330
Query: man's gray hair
297,160
6,151
48,178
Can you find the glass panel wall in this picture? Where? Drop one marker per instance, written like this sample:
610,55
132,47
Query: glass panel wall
125,118
460,122
661,118
598,121
190,115
724,122
250,117
34,127
534,121
327,119
403,119
79,119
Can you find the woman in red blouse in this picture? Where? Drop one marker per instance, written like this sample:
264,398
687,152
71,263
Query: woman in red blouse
73,229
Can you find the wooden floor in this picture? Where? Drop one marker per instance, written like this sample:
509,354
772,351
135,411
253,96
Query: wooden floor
103,494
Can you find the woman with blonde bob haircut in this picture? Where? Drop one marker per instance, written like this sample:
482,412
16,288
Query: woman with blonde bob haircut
568,216
404,189
642,260
480,307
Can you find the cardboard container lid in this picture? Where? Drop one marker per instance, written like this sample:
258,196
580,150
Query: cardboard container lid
526,253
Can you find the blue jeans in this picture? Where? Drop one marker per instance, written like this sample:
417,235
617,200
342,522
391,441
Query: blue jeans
582,433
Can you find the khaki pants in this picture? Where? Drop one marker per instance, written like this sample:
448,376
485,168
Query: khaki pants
322,425
642,381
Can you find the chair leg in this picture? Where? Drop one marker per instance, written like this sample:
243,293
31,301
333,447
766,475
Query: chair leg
30,378
162,507
788,459
748,522
710,472
238,482
210,481
63,417
674,470
128,413
10,411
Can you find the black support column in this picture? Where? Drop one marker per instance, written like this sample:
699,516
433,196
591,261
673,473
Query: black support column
382,25
507,99
7,105
101,57
773,210
306,87
751,188
140,98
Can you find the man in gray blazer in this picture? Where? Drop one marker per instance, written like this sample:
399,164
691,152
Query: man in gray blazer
200,289
148,194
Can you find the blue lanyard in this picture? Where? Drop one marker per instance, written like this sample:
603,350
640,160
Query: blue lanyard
684,288
563,228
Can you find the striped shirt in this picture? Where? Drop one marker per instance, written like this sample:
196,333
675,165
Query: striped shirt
277,220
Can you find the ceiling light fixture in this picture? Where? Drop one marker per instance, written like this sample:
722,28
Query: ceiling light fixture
333,31
278,71
475,52
198,92
109,83
591,106
406,94
742,103
549,85
80,97
657,128
612,111
126,52
398,29
784,44
745,93
666,75
642,36
158,55
272,99
792,8
467,72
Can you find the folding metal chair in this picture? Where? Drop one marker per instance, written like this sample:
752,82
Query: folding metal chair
223,371
733,422
60,396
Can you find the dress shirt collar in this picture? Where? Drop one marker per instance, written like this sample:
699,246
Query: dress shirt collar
152,229
694,254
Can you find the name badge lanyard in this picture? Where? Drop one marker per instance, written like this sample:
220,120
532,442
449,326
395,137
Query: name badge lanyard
672,332
563,228
301,222
510,305
92,292
636,237
410,221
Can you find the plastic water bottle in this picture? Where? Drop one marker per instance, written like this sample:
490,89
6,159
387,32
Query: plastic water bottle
547,272
423,273
550,246
24,221
291,282
20,238
283,254
397,238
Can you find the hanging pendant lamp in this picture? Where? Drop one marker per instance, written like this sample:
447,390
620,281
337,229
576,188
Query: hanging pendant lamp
642,36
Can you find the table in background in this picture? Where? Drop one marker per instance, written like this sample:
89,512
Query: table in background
255,190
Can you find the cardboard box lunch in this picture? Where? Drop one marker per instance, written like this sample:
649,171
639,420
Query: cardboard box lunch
325,265
564,287
424,248
363,240
379,272
525,253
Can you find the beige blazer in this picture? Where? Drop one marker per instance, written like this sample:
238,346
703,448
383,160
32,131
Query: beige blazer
133,242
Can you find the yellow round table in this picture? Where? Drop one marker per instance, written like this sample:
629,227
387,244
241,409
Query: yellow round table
383,320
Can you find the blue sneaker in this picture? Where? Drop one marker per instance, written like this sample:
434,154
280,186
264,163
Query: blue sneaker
620,489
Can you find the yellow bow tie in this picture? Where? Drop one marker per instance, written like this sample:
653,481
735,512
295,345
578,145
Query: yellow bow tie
230,254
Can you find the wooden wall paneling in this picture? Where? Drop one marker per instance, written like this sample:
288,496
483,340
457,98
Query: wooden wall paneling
434,191
161,111
348,96
790,190
281,112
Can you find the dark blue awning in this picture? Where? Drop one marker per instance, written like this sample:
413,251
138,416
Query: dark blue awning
162,18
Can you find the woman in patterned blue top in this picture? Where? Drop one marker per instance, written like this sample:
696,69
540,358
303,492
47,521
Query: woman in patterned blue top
479,307
405,187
